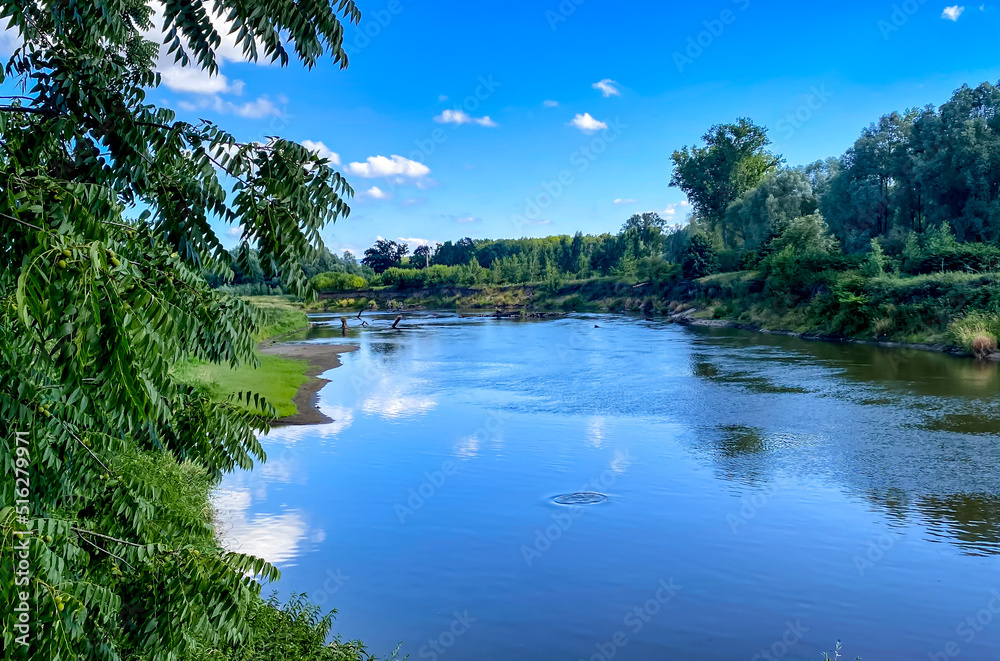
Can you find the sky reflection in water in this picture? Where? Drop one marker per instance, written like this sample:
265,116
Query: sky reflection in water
850,489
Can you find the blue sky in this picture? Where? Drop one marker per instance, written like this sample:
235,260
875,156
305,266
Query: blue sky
495,111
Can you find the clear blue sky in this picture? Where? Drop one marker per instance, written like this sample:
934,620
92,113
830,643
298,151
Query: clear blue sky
758,59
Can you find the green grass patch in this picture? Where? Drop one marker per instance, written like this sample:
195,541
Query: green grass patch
281,316
277,380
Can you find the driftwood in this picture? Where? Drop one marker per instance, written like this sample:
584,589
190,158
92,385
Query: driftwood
399,318
523,314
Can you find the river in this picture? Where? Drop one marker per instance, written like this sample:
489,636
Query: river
765,494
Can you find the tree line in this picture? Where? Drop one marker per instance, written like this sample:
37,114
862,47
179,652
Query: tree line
920,186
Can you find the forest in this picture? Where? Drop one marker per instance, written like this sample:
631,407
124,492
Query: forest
897,238
919,192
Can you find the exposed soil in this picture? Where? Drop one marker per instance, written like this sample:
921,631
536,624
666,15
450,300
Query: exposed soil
321,358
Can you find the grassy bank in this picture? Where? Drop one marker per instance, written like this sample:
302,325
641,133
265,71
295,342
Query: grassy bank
275,378
831,297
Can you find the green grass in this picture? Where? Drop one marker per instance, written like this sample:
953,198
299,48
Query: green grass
281,316
276,379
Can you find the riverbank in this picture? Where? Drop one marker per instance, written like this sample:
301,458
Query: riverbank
952,312
885,344
318,358
286,381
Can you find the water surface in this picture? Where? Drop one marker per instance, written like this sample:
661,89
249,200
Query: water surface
764,494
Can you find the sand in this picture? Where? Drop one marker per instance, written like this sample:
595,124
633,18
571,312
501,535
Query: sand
321,358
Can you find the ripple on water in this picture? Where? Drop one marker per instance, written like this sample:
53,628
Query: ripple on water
581,498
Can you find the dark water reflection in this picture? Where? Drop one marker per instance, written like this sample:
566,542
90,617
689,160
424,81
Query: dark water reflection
850,489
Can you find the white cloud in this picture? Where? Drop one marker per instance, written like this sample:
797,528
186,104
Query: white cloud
322,151
414,242
461,117
550,104
587,124
198,81
262,107
671,210
621,201
10,40
258,109
538,222
467,220
952,13
276,538
607,87
377,193
442,98
397,166
192,79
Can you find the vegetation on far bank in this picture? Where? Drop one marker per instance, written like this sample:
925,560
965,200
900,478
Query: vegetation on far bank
897,239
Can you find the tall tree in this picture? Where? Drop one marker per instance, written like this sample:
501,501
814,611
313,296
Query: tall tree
104,231
733,160
384,255
421,257
768,209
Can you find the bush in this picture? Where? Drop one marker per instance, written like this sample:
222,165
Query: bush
976,333
295,631
335,281
434,276
700,258
968,257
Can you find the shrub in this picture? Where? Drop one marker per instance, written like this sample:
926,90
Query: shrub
700,258
336,281
976,333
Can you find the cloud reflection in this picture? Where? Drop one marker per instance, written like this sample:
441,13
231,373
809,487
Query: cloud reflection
393,399
277,538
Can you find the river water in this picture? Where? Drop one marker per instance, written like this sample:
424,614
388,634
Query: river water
765,494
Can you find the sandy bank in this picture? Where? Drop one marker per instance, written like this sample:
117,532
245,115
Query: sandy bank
321,358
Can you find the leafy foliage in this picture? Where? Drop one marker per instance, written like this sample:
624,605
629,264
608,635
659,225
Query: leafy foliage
105,222
700,259
384,255
295,630
326,282
733,161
